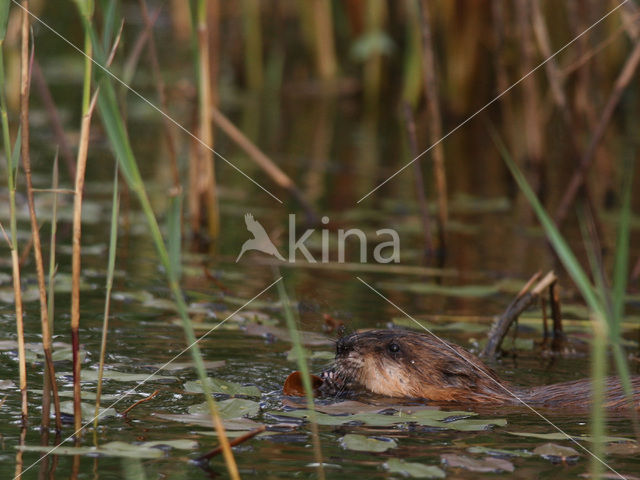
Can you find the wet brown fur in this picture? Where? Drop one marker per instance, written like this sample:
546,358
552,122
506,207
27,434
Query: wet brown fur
400,363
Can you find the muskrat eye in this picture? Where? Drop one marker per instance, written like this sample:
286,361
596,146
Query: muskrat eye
393,347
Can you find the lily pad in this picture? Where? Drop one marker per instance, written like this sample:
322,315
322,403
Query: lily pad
117,449
92,376
499,452
88,410
488,464
230,408
360,443
204,420
413,470
222,386
6,384
561,436
556,453
429,418
177,366
314,355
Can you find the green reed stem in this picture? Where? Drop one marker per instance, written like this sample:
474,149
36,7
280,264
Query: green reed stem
119,140
595,299
598,414
301,359
52,247
111,265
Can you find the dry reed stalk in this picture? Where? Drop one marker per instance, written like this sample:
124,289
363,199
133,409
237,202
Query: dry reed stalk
202,166
17,292
500,328
532,131
25,80
252,27
81,165
323,39
375,18
622,81
417,171
162,96
54,118
435,120
264,162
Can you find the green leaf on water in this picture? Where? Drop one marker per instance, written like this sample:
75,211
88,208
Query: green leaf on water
561,436
88,410
427,418
118,449
413,470
231,408
360,443
556,453
488,464
222,386
499,451
204,420
92,376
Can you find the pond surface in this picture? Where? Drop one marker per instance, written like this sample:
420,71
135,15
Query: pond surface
336,155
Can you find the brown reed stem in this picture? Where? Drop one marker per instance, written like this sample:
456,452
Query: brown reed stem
264,162
500,328
323,39
162,96
203,172
624,78
233,443
425,217
25,80
435,120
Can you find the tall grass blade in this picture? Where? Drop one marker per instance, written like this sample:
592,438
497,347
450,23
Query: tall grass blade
111,265
294,333
119,141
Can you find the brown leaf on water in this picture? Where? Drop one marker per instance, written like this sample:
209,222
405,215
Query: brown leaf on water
487,464
293,384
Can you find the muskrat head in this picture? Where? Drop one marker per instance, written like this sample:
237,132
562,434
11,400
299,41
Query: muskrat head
399,363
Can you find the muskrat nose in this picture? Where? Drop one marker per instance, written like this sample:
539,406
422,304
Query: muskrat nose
343,347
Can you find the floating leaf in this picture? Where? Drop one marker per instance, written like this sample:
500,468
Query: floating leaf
556,453
204,420
177,366
360,443
222,386
293,385
413,470
561,436
117,449
309,339
6,384
499,452
230,408
488,464
315,355
88,410
429,418
92,376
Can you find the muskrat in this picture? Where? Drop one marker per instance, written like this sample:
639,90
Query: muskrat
401,363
